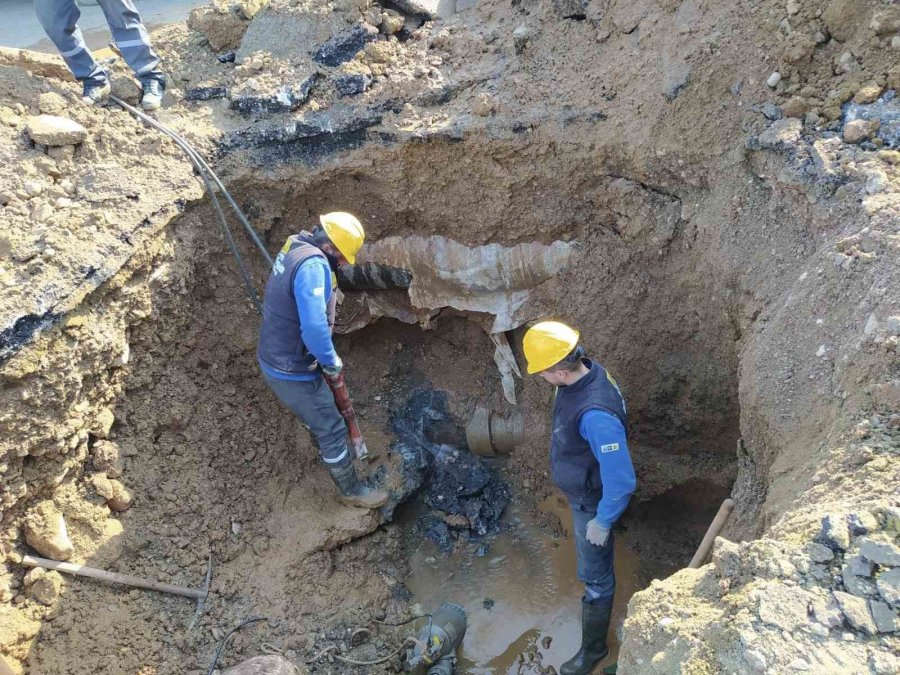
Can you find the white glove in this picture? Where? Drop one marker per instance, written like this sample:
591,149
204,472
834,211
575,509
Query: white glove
597,534
334,370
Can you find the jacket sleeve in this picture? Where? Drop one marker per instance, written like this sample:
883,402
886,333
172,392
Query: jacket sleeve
606,436
312,288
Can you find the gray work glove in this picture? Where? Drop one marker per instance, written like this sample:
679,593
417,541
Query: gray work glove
335,370
597,534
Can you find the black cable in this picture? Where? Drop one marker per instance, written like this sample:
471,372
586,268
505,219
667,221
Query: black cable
185,145
402,623
212,666
204,171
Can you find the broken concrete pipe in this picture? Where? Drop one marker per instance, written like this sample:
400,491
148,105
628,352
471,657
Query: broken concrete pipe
488,434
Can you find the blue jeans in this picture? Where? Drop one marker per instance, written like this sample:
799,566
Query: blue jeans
313,402
595,563
59,19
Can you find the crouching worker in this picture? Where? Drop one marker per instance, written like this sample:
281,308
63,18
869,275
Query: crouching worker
590,463
295,341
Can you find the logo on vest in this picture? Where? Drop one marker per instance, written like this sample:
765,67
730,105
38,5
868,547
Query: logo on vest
612,447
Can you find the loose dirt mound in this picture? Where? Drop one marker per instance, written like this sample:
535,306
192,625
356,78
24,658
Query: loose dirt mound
734,221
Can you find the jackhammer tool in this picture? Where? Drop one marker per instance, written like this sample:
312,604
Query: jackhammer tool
198,594
345,407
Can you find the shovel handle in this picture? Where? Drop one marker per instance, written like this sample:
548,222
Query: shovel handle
112,577
715,527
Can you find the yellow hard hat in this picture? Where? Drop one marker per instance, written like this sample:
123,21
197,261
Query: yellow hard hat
547,343
345,232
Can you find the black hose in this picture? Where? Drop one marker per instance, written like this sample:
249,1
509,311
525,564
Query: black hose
205,173
244,624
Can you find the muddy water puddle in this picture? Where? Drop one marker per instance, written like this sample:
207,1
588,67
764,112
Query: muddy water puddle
519,589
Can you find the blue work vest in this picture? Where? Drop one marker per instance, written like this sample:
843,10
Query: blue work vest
573,465
280,345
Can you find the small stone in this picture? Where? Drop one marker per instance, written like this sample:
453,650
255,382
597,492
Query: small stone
46,532
796,106
895,42
886,620
856,611
859,586
798,664
106,457
819,552
51,103
483,105
771,111
888,584
826,611
103,423
773,79
126,88
102,485
121,498
351,84
55,131
757,660
871,325
857,567
42,585
793,7
893,325
391,22
877,182
522,35
868,94
33,188
862,523
856,131
834,533
880,552
783,606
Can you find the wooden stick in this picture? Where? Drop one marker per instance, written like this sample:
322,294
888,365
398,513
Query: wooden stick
715,527
112,577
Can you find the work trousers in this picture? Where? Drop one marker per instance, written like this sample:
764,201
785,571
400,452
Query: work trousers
313,402
595,563
60,21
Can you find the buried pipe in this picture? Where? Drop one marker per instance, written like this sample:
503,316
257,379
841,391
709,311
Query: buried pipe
434,650
488,434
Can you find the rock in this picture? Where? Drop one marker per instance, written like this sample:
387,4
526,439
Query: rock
856,611
102,485
522,35
826,611
880,552
222,28
796,106
819,552
247,9
126,88
841,18
343,46
773,79
895,42
783,134
771,111
46,532
799,48
834,533
888,584
106,457
33,188
793,7
886,619
102,424
868,94
54,131
391,22
484,104
862,523
433,9
783,606
799,664
857,131
379,52
121,498
886,21
859,586
263,665
285,98
857,567
51,103
757,660
43,586
351,84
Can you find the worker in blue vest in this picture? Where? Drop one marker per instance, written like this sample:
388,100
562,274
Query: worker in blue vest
295,342
590,463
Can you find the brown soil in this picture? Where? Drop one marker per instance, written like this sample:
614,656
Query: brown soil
736,273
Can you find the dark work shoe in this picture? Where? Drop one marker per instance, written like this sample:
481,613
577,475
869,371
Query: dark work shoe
95,93
353,492
594,627
153,94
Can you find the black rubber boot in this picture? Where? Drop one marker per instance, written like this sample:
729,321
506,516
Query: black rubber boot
594,627
351,491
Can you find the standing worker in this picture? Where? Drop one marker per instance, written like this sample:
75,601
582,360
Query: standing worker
590,463
60,21
295,341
